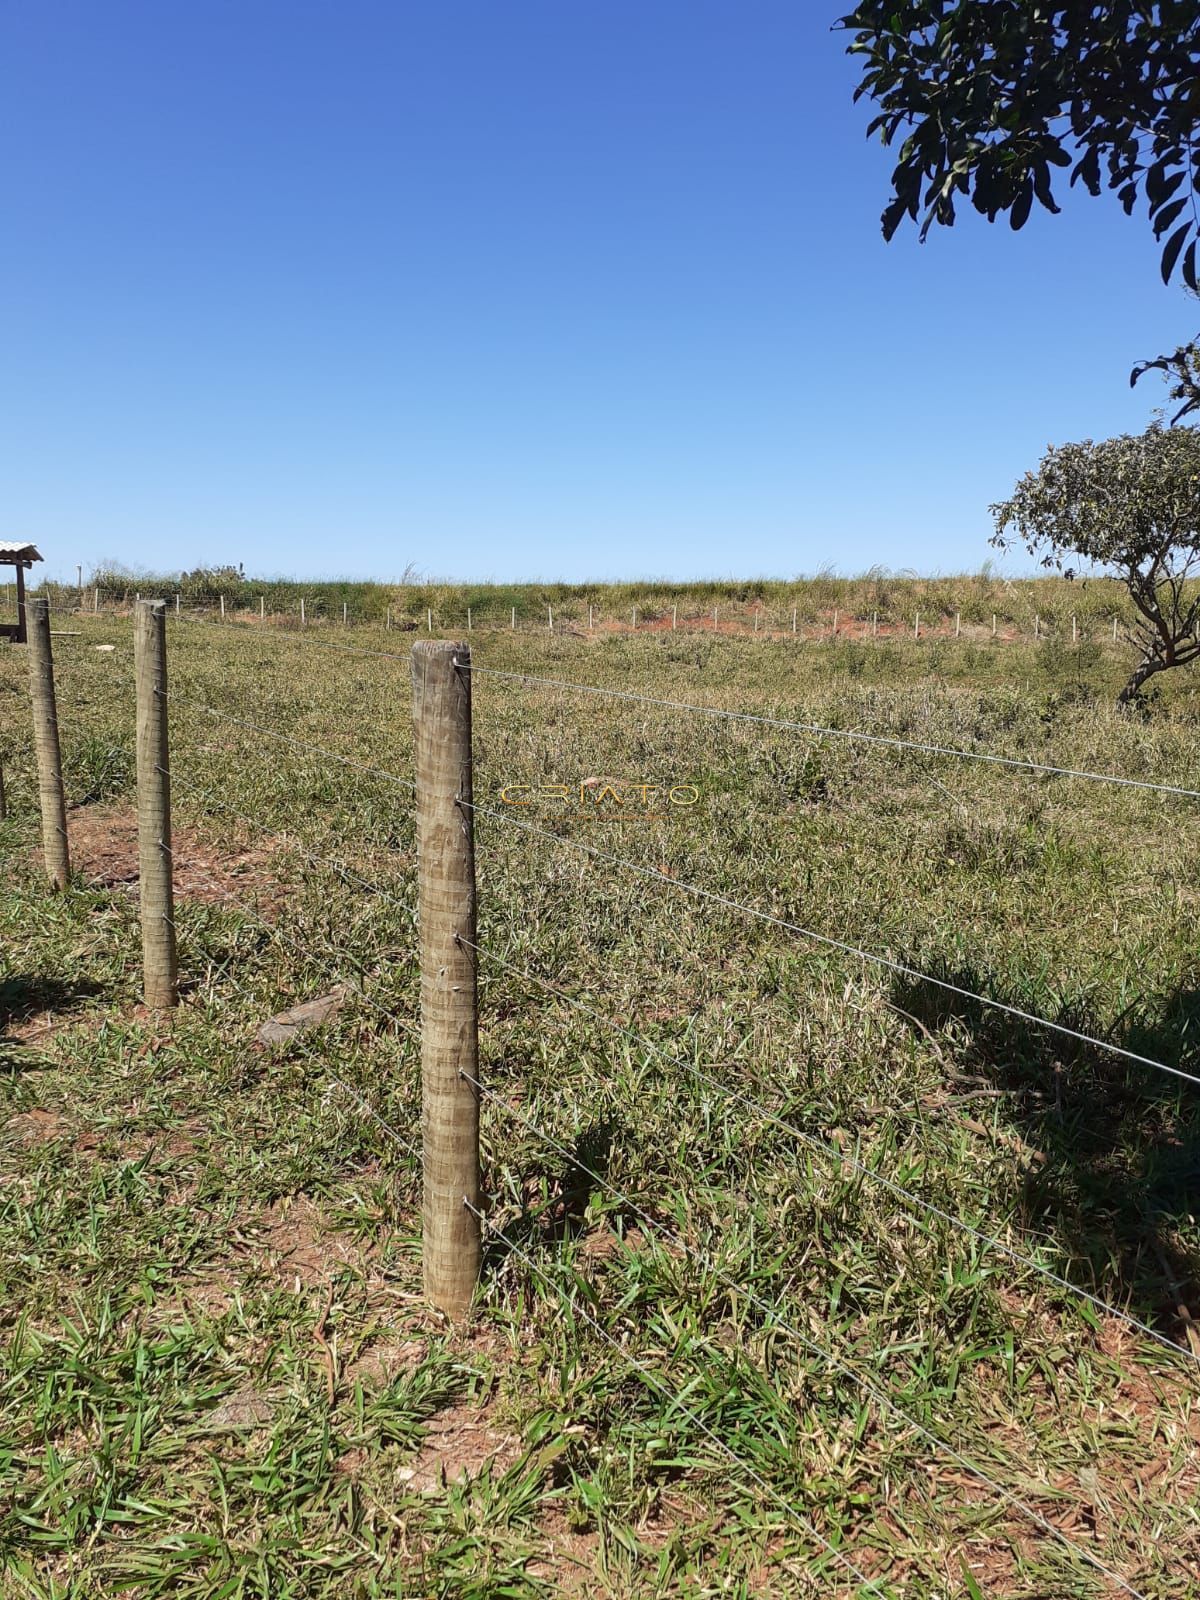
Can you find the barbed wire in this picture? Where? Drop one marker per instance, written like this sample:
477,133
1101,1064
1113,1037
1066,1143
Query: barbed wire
675,1400
841,1157
771,1310
173,698
836,733
872,957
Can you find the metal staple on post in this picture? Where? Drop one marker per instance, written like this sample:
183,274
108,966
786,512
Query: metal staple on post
45,738
155,887
449,1013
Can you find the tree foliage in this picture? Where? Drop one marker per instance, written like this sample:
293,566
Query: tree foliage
988,97
1130,505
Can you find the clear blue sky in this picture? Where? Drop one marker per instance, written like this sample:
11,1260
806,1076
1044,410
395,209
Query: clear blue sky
557,288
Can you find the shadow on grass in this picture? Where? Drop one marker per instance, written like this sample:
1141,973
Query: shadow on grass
1117,1171
556,1200
23,997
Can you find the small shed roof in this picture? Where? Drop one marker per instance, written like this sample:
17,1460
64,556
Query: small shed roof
13,550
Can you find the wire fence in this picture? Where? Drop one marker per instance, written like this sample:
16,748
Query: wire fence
345,966
324,611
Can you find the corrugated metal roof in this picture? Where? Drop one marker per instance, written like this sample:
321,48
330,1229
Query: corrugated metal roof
14,550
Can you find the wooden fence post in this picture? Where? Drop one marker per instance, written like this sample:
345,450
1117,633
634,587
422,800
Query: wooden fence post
449,1014
262,608
302,618
155,889
3,798
45,737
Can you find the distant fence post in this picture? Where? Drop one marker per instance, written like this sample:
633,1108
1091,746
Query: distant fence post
302,618
45,738
155,889
449,1017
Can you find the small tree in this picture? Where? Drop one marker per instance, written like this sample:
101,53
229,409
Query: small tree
1131,506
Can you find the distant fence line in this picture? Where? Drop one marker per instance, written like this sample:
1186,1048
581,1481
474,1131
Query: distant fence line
575,617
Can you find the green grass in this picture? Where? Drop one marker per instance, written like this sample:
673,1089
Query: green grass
765,604
219,1378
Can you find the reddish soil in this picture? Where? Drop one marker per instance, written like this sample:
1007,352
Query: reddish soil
104,848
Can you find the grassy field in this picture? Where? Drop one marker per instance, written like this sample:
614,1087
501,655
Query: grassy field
723,1345
892,602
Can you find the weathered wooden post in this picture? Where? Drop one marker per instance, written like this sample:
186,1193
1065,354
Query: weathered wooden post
550,619
345,613
514,619
262,607
917,626
449,1016
469,628
591,617
793,619
675,616
155,890
3,797
957,623
302,617
45,738
222,606
835,621
993,624
874,624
